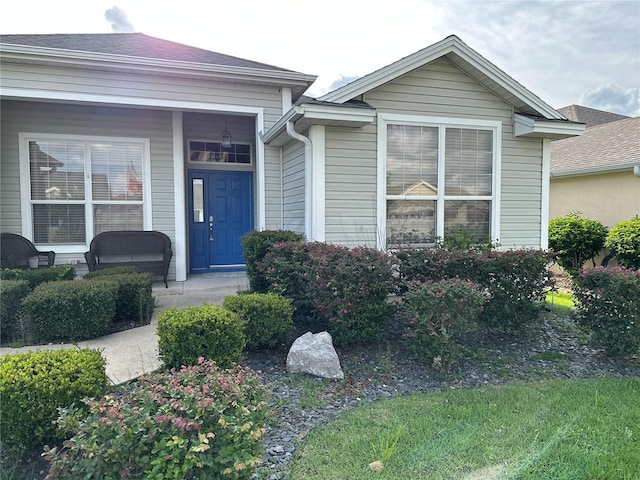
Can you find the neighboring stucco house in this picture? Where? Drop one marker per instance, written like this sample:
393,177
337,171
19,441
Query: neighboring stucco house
598,173
126,131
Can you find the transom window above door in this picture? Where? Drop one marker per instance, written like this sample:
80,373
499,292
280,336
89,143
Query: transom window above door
438,178
79,187
214,152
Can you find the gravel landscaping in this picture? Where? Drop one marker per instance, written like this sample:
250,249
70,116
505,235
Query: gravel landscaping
554,348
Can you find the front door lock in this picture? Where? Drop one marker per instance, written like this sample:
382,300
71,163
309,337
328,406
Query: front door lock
211,237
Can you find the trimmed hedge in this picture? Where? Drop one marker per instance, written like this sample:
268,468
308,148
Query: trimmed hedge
267,317
36,276
207,331
343,291
12,292
516,280
256,245
34,385
134,299
69,310
574,240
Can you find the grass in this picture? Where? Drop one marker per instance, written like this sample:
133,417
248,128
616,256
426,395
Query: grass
560,302
555,429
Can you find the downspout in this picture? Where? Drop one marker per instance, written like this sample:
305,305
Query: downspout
281,189
308,180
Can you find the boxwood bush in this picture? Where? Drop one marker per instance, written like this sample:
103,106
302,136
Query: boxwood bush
334,288
69,310
198,422
208,331
267,318
624,242
12,292
255,246
134,299
36,276
609,304
34,385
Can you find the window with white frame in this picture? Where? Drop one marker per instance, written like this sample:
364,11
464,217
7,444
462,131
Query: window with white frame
439,178
81,187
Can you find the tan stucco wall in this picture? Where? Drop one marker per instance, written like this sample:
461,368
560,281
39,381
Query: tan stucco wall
606,197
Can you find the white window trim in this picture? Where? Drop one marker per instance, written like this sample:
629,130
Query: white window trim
385,119
25,185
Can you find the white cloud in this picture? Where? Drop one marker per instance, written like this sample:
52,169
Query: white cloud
611,98
118,19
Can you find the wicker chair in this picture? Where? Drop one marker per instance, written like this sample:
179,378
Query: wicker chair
15,252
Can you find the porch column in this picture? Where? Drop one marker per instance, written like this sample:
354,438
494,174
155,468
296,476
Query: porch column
180,247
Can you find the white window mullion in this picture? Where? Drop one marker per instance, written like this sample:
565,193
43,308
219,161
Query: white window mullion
441,182
88,207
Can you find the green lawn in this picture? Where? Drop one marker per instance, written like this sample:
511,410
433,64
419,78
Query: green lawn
559,429
560,302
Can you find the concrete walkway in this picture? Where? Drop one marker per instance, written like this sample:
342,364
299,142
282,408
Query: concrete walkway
133,352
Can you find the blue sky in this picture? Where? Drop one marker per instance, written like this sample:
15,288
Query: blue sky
565,51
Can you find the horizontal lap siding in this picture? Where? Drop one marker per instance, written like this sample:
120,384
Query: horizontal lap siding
293,180
48,118
441,90
350,170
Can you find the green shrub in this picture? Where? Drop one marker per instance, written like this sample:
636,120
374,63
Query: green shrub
195,423
574,240
624,242
69,310
36,276
464,240
255,246
343,291
516,280
12,292
207,331
134,299
34,385
437,311
267,317
609,304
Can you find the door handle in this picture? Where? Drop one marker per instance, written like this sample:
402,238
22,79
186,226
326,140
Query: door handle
212,238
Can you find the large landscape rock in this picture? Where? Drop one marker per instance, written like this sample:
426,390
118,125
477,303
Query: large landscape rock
315,355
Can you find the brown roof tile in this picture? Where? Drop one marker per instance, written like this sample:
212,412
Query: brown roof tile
589,116
607,146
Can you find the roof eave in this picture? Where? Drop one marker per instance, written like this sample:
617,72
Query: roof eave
451,44
635,167
528,127
299,82
306,115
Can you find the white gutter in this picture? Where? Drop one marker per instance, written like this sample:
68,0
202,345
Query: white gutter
600,169
308,149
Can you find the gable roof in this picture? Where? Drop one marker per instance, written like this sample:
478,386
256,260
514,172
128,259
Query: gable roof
589,116
136,51
606,147
465,59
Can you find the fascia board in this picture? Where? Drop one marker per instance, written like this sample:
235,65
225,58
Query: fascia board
529,127
345,114
596,170
388,73
429,54
43,55
280,126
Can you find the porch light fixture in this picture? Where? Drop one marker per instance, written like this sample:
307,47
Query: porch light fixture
226,136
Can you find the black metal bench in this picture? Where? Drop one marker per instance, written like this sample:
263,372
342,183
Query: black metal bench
149,251
15,252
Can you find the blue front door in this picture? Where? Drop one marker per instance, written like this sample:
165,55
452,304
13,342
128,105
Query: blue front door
221,204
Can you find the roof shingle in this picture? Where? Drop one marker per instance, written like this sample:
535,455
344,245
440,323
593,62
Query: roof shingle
609,145
589,116
134,45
